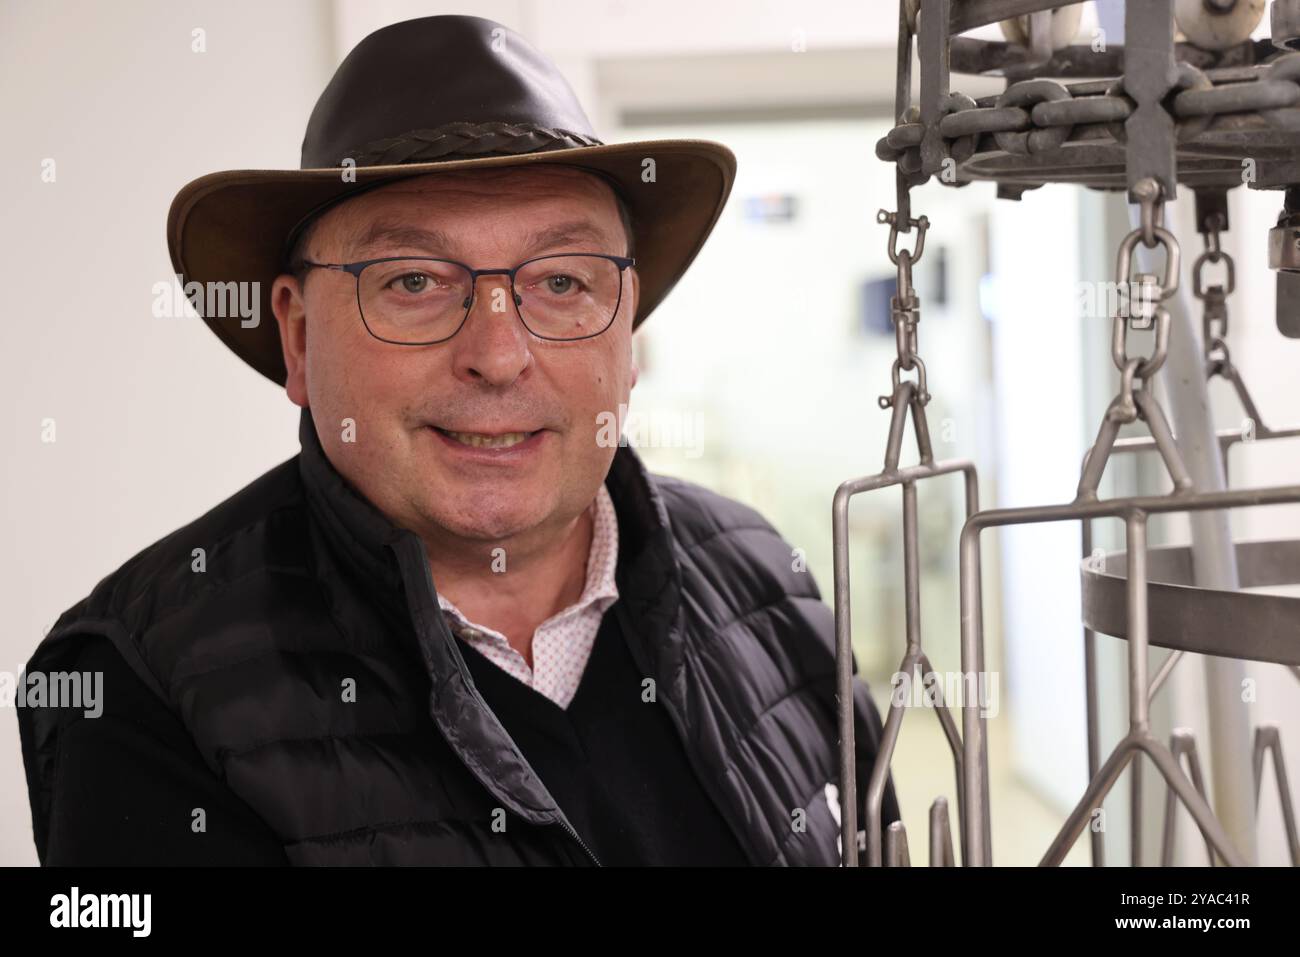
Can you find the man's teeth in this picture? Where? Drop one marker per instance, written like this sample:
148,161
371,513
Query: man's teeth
489,441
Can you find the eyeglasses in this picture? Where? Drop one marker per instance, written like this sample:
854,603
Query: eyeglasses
421,301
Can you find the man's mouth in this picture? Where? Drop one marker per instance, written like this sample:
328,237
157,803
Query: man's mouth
481,440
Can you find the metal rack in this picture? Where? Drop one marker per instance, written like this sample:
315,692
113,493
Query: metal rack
1181,113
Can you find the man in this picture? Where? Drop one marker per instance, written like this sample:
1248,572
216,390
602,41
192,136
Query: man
464,625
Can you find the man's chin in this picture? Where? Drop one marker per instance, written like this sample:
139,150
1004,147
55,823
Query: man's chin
483,522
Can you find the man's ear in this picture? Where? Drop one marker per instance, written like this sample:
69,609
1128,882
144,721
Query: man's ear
291,316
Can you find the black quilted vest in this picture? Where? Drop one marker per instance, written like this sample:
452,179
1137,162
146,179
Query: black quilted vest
307,587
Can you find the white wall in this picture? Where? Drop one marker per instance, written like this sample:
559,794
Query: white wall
155,421
1038,388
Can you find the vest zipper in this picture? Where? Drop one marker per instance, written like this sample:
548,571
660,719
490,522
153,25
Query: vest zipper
706,781
568,827
427,581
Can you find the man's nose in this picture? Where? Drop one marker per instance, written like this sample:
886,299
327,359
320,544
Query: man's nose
492,344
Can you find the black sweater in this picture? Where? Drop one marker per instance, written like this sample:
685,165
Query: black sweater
613,761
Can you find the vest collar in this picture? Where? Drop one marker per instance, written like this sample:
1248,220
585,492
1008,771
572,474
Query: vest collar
393,564
359,534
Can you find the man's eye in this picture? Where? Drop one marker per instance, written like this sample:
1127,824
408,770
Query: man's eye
413,282
559,283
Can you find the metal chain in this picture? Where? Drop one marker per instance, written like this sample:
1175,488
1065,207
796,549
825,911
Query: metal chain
1214,322
1214,316
1038,115
1140,307
905,306
1141,298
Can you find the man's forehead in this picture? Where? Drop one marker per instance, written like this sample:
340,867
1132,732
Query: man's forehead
386,232
399,214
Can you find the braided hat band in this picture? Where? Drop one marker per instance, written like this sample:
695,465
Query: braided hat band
450,141
464,140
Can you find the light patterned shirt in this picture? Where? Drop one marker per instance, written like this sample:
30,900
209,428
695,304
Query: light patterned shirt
561,644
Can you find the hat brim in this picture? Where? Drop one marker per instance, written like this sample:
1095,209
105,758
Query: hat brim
230,227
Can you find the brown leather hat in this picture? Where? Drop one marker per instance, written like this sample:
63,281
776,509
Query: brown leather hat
423,96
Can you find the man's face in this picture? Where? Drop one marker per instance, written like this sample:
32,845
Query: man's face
492,377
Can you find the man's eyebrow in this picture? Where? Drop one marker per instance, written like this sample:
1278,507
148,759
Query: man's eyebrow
569,233
392,235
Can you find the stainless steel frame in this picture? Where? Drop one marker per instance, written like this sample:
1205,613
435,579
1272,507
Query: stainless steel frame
903,399
1143,595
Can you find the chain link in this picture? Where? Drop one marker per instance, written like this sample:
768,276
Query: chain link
905,306
1141,298
1036,115
1214,322
1136,399
1214,315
